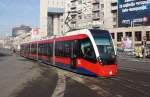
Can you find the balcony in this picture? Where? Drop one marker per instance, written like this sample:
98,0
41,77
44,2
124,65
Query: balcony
96,8
114,8
73,0
74,20
95,2
73,13
113,1
73,26
73,6
96,17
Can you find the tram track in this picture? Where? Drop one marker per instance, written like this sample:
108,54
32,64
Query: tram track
119,86
133,86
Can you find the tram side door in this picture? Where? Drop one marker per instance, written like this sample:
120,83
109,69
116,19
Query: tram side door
74,51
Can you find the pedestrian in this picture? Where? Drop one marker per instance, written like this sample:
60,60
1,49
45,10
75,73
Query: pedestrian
143,50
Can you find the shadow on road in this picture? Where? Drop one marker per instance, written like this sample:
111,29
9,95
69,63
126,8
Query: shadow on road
22,59
42,86
3,55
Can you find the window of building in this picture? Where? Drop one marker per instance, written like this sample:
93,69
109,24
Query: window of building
114,19
114,26
138,36
80,2
148,35
119,36
102,6
62,20
128,34
113,35
80,16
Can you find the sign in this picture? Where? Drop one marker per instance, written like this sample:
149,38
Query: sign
35,34
133,11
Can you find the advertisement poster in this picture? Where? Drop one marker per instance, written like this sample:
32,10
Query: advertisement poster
133,13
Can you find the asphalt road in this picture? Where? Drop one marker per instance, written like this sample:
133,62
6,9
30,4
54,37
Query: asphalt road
20,77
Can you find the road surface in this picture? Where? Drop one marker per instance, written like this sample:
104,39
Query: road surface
20,77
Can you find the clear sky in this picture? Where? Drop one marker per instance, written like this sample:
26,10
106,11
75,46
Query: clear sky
18,12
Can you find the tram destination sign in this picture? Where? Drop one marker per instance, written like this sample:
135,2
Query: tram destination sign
133,13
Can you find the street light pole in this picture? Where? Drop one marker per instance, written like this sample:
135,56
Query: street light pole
144,37
133,36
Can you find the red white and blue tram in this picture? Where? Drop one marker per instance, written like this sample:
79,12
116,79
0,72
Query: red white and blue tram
87,51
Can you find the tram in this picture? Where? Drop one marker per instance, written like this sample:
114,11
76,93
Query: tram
87,51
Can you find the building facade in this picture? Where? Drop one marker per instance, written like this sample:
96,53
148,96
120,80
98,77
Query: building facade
81,14
103,14
94,13
16,31
52,17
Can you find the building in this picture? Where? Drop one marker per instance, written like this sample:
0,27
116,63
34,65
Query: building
6,42
103,14
21,38
52,17
19,30
2,43
132,20
94,14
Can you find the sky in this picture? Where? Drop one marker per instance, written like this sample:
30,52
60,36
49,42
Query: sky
18,12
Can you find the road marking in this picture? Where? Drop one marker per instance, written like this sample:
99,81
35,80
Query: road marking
60,86
130,85
100,91
133,69
135,60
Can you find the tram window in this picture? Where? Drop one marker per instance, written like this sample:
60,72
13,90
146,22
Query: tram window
67,48
45,49
50,49
63,49
40,49
87,50
59,49
33,48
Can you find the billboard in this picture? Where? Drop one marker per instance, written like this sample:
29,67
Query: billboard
133,13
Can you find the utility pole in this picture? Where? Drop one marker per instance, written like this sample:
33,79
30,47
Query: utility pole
133,36
144,40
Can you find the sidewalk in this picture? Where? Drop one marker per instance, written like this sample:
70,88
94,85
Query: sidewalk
131,57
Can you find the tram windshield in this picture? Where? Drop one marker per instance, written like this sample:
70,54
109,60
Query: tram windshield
105,46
